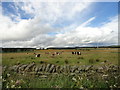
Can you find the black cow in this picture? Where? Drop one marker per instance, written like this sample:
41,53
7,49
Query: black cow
78,53
75,52
37,55
72,52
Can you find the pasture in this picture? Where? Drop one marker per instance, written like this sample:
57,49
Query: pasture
96,57
89,56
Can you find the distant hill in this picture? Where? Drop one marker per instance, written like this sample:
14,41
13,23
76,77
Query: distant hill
17,49
113,46
31,49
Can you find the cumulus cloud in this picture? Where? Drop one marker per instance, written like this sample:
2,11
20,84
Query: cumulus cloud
25,29
35,31
107,33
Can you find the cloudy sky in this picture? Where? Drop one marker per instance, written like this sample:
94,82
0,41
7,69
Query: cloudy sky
46,24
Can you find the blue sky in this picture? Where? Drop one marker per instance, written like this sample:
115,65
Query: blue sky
102,10
55,21
10,8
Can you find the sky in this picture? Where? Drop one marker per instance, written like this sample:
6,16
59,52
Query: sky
58,24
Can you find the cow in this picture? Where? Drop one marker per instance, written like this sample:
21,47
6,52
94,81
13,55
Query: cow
37,55
57,53
46,52
78,53
52,55
72,52
75,52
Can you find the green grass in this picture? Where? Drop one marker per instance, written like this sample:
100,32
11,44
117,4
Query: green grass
91,57
10,59
62,80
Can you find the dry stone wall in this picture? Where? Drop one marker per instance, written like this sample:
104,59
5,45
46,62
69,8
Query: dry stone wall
51,68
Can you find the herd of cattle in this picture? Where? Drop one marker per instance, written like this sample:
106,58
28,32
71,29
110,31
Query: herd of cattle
76,53
56,53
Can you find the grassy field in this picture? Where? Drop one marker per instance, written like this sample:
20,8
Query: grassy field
97,57
87,57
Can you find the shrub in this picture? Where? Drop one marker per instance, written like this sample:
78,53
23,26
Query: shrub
57,61
11,58
32,58
42,62
105,61
80,58
91,61
97,60
66,61
78,62
60,57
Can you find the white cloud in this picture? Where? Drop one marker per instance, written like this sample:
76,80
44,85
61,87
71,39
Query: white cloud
108,33
53,11
25,29
34,32
88,21
79,36
46,14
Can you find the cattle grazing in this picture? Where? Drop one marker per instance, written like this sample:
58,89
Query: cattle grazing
57,53
46,52
72,52
53,54
37,55
75,52
78,53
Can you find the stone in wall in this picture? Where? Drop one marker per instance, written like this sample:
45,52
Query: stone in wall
29,67
88,67
61,69
48,67
15,68
113,68
54,70
58,69
76,71
36,69
83,68
44,67
40,68
66,68
73,68
100,70
51,68
22,68
33,68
